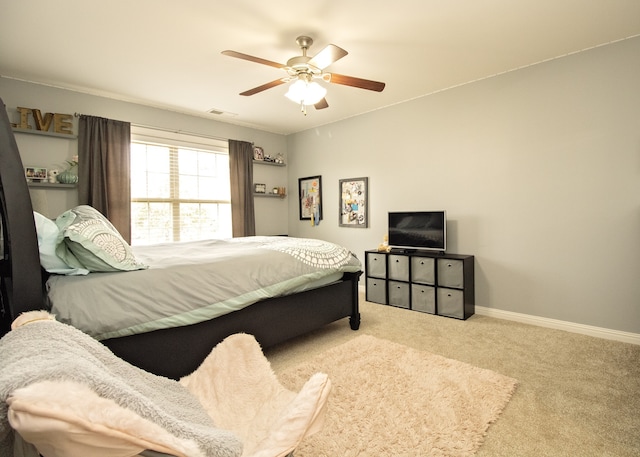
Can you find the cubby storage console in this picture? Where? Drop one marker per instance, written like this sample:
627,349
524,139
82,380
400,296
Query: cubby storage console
423,281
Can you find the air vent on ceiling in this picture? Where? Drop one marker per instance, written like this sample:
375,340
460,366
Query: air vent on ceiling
219,112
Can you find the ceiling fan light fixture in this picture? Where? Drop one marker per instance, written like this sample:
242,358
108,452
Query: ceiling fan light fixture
305,93
302,70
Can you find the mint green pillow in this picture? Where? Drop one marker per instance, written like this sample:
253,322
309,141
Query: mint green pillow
90,241
48,240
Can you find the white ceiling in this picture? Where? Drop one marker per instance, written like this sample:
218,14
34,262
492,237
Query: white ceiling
167,53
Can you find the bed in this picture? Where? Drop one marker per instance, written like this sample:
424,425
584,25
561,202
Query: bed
173,349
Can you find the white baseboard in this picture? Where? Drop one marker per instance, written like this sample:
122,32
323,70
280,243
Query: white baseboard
598,332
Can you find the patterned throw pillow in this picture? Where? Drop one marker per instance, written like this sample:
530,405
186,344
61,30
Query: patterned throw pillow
92,242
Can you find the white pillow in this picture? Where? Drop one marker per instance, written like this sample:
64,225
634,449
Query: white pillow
48,238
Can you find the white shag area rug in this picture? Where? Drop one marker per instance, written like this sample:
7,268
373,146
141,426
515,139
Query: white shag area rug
392,400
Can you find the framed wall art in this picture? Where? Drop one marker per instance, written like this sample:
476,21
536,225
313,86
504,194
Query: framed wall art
258,153
354,202
35,174
310,198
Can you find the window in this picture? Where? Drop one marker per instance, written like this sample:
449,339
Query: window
178,193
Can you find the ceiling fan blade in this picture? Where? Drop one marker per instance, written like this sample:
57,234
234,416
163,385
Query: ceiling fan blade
327,56
266,86
322,104
356,82
240,55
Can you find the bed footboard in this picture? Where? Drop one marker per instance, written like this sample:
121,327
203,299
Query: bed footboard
176,352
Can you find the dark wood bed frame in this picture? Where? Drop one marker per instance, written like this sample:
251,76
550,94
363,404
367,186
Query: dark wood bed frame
173,352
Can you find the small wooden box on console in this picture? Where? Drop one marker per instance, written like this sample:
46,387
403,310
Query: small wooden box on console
425,281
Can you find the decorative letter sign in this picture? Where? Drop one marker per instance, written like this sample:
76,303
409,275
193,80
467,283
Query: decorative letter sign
62,123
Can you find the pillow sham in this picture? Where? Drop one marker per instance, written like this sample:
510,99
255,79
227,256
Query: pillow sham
94,242
48,238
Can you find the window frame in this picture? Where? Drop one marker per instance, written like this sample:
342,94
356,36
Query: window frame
175,141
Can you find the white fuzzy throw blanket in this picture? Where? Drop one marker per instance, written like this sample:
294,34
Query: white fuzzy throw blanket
47,350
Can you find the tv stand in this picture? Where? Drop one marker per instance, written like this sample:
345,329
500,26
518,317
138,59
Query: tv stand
416,251
403,251
428,281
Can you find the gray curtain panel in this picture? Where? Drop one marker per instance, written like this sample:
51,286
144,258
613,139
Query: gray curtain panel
241,175
104,169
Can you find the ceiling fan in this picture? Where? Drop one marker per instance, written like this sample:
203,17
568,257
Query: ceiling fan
302,70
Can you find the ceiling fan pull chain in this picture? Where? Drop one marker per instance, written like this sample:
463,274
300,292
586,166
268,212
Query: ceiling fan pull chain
303,108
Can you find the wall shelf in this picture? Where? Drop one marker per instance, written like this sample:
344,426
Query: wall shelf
269,195
44,133
51,185
264,162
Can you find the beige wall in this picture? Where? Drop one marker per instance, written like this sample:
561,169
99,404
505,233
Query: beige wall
271,218
538,169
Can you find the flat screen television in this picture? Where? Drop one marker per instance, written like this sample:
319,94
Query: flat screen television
411,230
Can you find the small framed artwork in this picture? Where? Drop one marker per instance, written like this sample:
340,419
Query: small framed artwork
310,198
260,188
35,174
354,202
258,153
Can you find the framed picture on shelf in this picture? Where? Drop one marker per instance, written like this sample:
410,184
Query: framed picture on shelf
258,153
260,188
354,202
310,198
35,174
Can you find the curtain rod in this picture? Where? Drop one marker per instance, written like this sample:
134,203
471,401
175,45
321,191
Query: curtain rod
163,129
184,132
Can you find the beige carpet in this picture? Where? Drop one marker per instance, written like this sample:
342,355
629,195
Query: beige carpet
392,400
577,395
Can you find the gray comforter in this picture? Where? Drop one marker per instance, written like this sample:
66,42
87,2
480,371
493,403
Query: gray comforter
192,282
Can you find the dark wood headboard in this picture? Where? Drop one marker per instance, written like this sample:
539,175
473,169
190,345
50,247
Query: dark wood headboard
21,284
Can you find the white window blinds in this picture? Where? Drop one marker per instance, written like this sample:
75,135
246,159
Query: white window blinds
179,187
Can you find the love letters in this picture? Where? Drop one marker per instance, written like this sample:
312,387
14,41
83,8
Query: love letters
62,123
